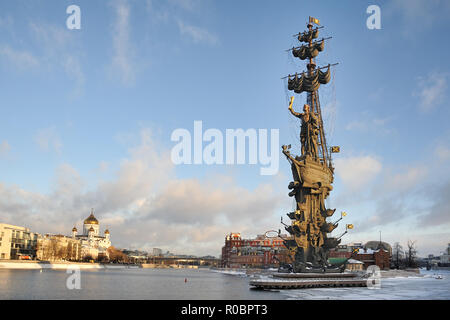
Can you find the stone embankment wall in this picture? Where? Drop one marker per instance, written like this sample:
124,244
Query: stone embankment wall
18,264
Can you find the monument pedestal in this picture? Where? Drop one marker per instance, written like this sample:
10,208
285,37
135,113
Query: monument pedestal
309,280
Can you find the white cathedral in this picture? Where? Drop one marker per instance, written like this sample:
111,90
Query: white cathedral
92,243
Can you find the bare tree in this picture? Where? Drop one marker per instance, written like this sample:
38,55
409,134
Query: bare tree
54,249
116,255
398,255
411,254
69,251
62,251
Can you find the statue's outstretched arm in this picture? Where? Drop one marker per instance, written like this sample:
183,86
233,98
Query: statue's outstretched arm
291,102
296,114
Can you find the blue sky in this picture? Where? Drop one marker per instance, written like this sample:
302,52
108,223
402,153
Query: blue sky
87,116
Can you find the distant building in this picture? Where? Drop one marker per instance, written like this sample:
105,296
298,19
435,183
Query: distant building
17,242
354,265
372,253
379,257
136,255
168,254
156,252
445,257
351,264
93,245
208,257
375,245
259,252
345,250
355,245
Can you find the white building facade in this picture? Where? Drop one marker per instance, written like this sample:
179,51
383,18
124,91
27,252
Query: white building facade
17,242
445,257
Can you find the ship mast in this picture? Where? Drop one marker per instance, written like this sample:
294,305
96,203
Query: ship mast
310,82
313,101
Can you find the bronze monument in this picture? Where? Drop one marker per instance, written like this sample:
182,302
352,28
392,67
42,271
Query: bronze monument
313,170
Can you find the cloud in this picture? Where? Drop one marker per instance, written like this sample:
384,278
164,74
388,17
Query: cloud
380,195
170,11
53,38
4,148
403,200
387,210
431,90
162,9
103,167
356,125
357,172
6,21
439,211
48,139
370,124
122,60
72,67
198,35
188,5
205,202
58,48
409,12
22,60
145,205
443,153
404,181
158,11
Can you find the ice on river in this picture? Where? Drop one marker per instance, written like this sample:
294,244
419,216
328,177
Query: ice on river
428,285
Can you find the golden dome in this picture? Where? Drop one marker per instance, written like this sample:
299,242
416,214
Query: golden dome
106,231
74,229
91,219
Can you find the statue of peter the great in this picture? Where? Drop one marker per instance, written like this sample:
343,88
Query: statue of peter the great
309,130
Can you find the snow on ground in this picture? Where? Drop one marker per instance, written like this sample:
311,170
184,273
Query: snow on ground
395,285
230,272
423,286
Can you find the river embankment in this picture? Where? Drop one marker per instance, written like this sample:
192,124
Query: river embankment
26,264
23,264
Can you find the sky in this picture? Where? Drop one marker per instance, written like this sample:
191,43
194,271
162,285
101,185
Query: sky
87,117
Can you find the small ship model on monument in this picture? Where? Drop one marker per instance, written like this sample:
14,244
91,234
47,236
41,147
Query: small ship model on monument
313,175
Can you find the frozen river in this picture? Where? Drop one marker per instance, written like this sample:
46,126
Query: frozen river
201,284
424,287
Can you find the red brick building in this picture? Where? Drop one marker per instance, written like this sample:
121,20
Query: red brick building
260,252
379,257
